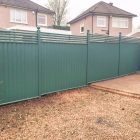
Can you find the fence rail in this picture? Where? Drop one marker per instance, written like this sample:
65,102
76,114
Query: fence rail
18,37
33,64
47,37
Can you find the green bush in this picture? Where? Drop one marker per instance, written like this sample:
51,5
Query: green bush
67,28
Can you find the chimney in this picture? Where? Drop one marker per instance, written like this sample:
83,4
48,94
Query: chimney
111,3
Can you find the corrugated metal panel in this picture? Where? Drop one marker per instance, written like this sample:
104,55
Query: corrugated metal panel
2,73
102,61
63,66
129,58
21,71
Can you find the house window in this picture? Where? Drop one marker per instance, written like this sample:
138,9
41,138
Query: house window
18,16
82,28
42,19
101,21
119,22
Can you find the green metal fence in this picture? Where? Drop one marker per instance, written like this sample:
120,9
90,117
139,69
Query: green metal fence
129,55
63,62
103,58
33,64
111,57
18,66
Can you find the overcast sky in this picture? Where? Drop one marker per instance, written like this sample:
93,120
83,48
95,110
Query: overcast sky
78,6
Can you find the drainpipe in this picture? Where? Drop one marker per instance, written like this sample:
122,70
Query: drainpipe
36,13
108,32
92,23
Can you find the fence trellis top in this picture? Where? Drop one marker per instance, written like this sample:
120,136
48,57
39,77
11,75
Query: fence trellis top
103,38
32,37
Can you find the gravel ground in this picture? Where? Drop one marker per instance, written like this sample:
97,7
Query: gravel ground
84,114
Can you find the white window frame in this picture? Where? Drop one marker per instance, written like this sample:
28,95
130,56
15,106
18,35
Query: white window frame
82,25
39,14
118,21
13,16
99,18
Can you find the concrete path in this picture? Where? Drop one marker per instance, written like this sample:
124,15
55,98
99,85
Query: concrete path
128,85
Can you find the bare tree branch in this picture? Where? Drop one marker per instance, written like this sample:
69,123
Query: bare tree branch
60,9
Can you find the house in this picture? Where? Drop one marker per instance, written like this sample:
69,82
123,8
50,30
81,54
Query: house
24,12
103,18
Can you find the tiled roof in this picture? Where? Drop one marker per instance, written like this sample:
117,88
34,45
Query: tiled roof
103,8
26,4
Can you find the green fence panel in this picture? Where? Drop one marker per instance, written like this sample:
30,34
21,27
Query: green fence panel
19,71
103,61
63,66
129,58
2,73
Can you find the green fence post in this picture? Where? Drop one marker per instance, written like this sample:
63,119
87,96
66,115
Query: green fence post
87,57
120,37
38,35
39,62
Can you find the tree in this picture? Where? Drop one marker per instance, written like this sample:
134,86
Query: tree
60,9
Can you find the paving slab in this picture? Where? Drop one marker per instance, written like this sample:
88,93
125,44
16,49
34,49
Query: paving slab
127,85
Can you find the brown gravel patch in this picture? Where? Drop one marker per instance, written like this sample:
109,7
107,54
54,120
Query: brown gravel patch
84,114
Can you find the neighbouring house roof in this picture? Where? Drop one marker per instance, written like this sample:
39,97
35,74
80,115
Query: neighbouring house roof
26,4
103,8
